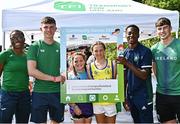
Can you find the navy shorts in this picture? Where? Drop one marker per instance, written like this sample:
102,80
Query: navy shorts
168,107
18,103
42,103
141,111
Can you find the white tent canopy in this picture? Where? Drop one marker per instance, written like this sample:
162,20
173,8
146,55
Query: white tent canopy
79,13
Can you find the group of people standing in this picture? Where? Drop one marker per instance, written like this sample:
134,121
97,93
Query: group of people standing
42,61
163,60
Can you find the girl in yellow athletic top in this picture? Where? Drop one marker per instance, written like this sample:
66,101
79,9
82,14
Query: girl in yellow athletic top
102,69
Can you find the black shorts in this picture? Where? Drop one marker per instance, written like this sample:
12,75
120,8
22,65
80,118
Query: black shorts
167,107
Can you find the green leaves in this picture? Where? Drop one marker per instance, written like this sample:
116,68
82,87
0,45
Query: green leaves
164,4
111,51
150,42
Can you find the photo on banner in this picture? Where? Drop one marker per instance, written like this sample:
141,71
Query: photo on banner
80,39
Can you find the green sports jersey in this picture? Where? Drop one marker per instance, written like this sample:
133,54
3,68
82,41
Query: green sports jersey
15,74
167,59
47,58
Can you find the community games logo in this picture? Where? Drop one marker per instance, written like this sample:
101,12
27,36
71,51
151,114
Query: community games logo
69,6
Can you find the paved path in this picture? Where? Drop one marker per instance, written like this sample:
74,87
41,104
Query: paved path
122,117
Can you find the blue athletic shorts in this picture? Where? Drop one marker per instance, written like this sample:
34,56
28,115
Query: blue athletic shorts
141,111
42,103
18,103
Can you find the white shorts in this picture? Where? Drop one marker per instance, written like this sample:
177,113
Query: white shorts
108,110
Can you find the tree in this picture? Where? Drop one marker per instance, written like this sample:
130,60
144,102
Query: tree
163,4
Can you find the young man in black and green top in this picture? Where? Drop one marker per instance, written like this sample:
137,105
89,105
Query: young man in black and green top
44,65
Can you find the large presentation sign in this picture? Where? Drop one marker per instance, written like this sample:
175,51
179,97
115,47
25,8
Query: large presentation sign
75,39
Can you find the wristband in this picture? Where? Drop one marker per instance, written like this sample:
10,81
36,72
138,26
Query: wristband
54,79
75,106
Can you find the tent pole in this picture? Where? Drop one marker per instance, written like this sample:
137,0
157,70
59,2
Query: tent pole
3,41
176,34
